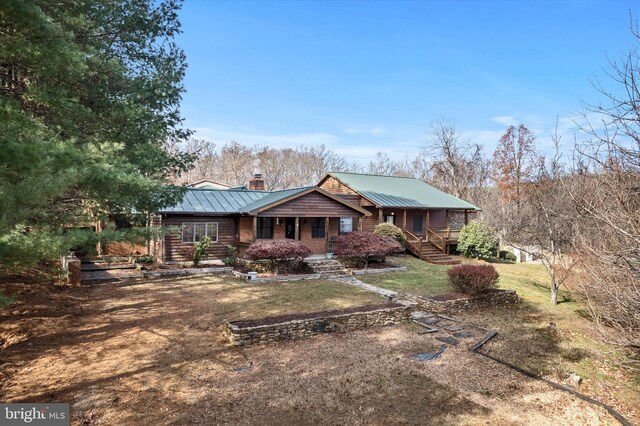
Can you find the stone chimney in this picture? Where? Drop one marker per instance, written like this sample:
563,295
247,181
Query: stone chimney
256,183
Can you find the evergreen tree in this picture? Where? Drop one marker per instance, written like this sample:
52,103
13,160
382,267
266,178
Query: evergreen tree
89,98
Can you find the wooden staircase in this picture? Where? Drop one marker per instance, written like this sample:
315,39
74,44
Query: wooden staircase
425,250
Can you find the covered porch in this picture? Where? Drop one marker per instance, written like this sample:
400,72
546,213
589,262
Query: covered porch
435,228
320,234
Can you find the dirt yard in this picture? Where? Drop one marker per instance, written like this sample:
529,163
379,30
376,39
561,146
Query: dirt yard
152,352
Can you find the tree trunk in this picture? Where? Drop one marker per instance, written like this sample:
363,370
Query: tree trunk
554,292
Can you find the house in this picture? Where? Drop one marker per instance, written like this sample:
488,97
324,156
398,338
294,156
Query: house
315,215
430,218
208,184
238,217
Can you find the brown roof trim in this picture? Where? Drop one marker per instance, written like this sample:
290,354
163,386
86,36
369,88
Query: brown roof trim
308,191
354,190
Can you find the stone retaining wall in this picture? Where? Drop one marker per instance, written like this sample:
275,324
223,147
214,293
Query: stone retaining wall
301,328
495,297
379,271
183,272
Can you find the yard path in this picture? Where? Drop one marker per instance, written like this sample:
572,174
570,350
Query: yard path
390,294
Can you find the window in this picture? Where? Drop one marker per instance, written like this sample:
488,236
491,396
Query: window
346,225
317,227
265,228
417,223
192,232
390,219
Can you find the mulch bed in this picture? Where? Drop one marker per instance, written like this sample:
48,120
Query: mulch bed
291,317
448,296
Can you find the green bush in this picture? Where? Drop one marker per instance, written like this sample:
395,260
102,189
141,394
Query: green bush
510,257
478,240
145,259
200,250
390,230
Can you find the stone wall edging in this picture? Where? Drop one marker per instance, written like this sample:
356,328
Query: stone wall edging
190,271
496,297
379,271
301,328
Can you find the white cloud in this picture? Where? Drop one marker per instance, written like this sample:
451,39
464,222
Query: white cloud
505,120
356,130
260,138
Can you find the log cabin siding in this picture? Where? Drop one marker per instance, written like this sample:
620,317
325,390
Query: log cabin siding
176,250
312,204
333,185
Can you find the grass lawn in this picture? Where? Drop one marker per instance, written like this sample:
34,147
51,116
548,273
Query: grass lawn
553,341
153,352
250,301
556,341
422,278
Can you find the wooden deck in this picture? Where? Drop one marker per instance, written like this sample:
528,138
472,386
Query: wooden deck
433,249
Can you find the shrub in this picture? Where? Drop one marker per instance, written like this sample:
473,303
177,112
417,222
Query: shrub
390,230
278,252
478,240
200,250
510,257
145,259
473,279
232,257
360,245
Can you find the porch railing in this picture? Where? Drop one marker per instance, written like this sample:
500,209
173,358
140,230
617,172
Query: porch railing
437,240
414,243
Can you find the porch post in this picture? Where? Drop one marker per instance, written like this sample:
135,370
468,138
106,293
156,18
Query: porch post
447,224
426,221
297,230
255,228
404,219
466,217
380,218
360,220
326,234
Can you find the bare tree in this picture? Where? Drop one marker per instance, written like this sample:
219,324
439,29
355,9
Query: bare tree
454,165
608,200
545,226
382,164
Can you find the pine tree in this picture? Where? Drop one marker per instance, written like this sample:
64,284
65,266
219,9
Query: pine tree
89,97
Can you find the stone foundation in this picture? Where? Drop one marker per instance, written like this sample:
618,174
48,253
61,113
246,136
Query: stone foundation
494,297
242,333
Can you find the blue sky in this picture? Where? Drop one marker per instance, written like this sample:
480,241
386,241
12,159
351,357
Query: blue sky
369,76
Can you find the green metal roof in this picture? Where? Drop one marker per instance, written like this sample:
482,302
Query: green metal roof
221,201
230,201
395,191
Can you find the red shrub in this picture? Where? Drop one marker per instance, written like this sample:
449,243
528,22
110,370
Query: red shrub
277,249
473,279
285,253
364,244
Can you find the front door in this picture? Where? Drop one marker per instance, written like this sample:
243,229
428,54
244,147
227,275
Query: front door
290,228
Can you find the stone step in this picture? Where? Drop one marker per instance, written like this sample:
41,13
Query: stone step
105,266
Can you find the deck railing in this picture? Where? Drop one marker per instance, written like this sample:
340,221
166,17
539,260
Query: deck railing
414,243
437,240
